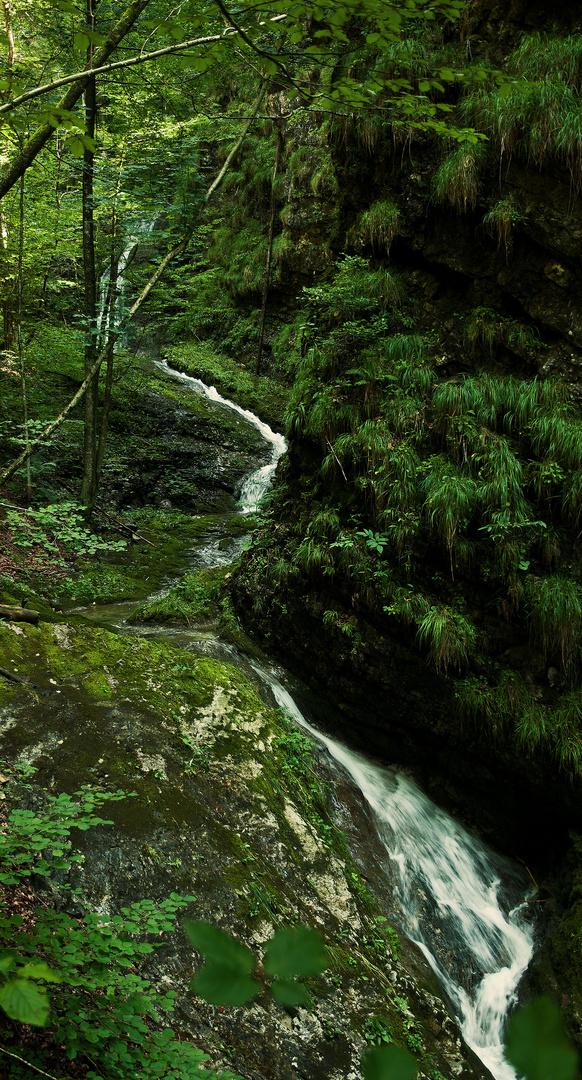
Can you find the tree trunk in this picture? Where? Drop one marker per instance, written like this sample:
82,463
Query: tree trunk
109,313
177,250
269,245
19,338
89,484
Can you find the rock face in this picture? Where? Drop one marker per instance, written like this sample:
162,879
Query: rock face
222,811
491,295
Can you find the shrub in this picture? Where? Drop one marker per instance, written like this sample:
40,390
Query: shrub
379,225
500,221
554,616
102,1007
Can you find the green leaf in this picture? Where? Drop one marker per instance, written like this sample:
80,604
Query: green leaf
537,1045
40,971
215,945
81,41
219,984
23,1001
388,1063
505,89
294,951
76,148
289,992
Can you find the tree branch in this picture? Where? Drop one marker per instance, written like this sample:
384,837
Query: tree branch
43,134
168,50
48,431
236,146
17,1057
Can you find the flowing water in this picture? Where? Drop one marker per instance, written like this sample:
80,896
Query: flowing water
255,485
459,902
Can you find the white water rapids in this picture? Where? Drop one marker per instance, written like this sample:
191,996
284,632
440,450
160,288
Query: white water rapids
453,895
256,483
460,903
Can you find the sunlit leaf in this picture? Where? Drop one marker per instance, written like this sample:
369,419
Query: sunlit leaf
40,971
23,1001
81,41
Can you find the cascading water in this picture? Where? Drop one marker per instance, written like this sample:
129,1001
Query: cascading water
110,314
462,905
459,902
254,485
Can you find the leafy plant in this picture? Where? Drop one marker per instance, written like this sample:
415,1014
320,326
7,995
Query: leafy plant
231,975
554,614
450,638
501,220
58,524
457,179
379,225
99,1006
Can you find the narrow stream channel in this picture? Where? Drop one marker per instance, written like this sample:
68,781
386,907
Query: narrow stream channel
459,902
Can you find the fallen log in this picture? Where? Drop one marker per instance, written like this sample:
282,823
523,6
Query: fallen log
18,614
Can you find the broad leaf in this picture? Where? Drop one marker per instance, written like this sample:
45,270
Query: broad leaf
295,951
214,944
388,1063
23,1001
289,992
537,1045
40,971
220,984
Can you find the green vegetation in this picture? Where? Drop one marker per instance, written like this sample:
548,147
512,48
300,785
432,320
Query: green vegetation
193,599
457,179
101,1009
501,220
379,225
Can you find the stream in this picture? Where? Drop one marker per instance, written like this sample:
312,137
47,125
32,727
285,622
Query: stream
459,902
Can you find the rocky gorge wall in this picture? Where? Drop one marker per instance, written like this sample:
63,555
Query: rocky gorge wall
488,261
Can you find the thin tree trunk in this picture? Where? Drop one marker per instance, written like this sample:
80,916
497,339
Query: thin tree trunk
89,483
48,431
10,57
109,313
88,487
19,340
80,394
269,246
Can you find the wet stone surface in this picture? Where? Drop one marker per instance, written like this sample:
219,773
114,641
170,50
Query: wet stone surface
222,818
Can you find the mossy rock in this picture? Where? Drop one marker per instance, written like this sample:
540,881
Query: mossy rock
219,812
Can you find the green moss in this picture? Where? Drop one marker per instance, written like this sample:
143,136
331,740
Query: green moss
261,395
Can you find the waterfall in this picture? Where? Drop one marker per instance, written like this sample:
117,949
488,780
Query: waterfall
256,483
110,316
460,903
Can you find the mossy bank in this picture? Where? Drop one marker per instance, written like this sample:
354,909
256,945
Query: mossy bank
231,805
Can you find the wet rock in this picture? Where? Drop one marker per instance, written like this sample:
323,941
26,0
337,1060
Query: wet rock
219,814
